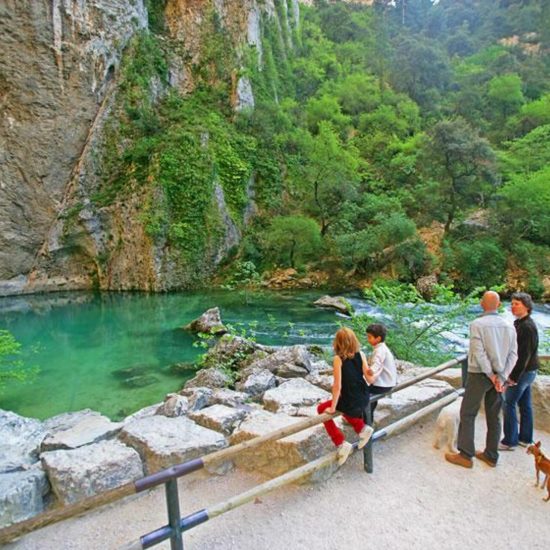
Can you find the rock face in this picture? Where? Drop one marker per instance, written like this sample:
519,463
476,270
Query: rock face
87,471
60,87
58,60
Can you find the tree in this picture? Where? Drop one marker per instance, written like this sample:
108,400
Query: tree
524,209
462,163
505,95
326,174
292,240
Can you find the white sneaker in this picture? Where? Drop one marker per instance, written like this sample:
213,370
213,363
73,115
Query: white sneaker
364,436
344,451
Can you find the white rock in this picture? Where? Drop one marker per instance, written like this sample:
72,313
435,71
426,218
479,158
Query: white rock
22,495
409,400
80,473
297,392
88,429
228,397
174,405
163,442
20,440
219,418
259,381
277,457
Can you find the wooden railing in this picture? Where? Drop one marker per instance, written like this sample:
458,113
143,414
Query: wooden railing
176,524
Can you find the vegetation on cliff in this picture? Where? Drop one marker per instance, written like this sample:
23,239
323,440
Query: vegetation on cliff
369,124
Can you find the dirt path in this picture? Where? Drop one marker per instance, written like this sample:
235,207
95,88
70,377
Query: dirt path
414,499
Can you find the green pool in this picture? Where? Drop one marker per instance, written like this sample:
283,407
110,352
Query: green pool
114,352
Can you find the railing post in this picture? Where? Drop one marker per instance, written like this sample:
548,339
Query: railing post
173,505
367,449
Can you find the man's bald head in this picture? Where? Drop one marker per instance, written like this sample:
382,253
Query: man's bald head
490,301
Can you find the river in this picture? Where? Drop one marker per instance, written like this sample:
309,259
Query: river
114,352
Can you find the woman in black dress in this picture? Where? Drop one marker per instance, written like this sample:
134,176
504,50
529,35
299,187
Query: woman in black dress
350,393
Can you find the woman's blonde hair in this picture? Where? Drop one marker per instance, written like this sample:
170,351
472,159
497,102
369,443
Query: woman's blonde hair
345,343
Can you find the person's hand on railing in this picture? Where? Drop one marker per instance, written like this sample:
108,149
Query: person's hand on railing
331,410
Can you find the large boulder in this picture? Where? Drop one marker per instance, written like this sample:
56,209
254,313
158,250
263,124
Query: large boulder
209,322
335,302
22,495
274,458
540,391
220,418
298,355
209,378
20,440
288,370
228,397
409,400
163,442
256,382
198,398
174,405
84,428
323,381
80,473
293,394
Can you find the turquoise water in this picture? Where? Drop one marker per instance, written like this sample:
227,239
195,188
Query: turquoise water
112,352
84,340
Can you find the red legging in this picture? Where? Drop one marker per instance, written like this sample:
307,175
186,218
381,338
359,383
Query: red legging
332,429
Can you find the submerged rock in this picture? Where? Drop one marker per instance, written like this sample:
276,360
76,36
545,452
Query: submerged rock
141,381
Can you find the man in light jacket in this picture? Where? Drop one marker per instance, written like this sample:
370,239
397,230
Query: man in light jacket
491,358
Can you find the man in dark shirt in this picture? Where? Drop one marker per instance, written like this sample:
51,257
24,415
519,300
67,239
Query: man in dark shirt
521,377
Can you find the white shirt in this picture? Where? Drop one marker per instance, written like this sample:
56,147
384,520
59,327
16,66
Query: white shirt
383,366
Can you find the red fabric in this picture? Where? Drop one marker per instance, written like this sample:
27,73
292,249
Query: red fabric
332,429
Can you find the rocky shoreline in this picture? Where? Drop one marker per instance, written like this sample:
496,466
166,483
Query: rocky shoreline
244,390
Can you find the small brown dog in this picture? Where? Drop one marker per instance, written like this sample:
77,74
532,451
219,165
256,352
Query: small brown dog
542,464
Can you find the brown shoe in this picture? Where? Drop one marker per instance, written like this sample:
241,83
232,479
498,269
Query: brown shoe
480,455
459,459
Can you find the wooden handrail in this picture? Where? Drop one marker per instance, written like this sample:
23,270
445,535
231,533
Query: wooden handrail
19,529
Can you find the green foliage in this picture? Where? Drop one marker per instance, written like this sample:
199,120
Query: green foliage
12,367
417,327
462,162
525,207
479,262
155,13
292,240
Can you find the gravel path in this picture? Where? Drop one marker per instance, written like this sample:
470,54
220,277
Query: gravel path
414,499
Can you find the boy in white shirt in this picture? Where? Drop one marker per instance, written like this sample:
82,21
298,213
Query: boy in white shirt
382,372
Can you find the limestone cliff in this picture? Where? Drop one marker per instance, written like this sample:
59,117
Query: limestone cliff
59,70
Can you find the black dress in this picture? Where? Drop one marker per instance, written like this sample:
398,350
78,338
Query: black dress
354,395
